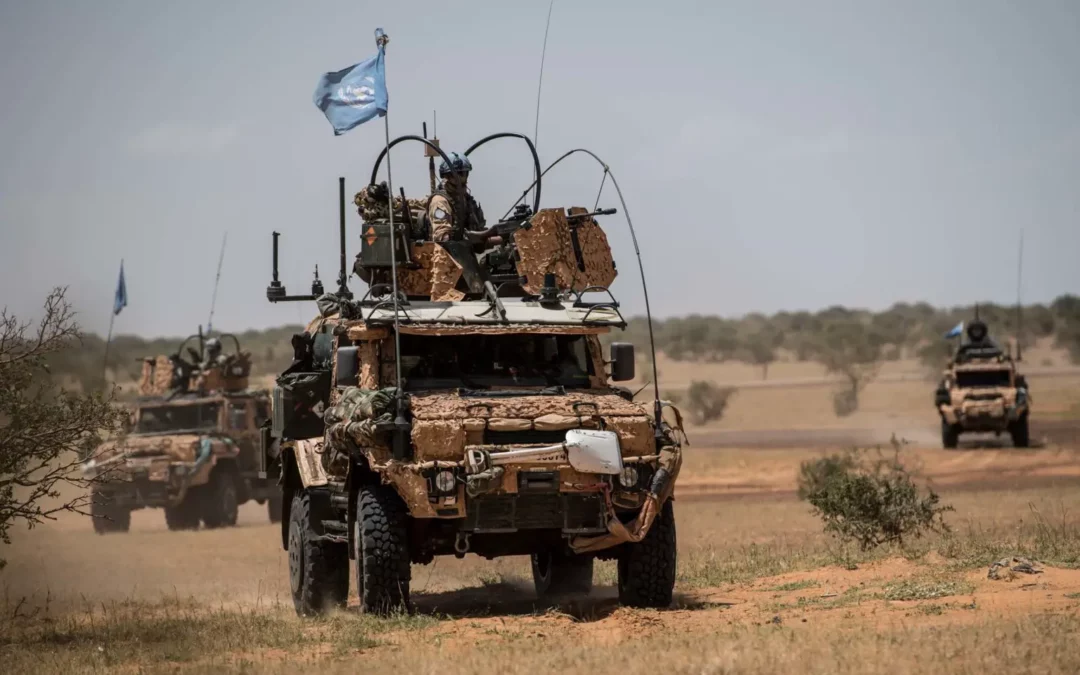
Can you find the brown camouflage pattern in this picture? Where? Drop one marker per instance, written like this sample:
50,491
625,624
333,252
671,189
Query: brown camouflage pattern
547,247
372,209
988,405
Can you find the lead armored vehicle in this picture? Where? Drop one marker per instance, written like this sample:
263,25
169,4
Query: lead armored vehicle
193,445
472,412
981,391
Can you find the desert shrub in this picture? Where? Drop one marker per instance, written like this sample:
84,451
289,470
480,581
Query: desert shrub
45,431
706,402
869,502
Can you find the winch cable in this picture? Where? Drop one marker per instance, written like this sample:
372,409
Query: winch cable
657,407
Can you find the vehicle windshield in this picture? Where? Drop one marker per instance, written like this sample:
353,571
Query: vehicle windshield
190,417
492,361
982,378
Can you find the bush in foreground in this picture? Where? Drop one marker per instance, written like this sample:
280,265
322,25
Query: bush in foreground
869,502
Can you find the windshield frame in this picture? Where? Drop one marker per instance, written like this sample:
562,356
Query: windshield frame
497,361
207,414
983,378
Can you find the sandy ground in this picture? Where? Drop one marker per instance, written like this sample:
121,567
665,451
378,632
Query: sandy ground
751,555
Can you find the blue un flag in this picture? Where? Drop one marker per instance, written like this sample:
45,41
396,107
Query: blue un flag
356,94
120,299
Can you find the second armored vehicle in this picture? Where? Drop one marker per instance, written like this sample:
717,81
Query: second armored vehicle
192,448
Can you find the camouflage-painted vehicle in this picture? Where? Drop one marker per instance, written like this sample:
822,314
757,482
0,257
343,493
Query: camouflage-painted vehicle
505,436
192,446
981,391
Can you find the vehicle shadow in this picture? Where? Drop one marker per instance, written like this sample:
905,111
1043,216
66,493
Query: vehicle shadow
504,599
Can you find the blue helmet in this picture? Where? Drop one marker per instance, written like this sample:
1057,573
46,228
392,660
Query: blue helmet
458,164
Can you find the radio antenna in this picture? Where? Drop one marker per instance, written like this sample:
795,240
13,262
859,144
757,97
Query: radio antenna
217,279
1019,306
540,82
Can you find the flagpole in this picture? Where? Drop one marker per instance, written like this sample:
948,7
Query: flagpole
108,340
400,422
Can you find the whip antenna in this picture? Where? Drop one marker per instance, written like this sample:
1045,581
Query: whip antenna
540,82
1019,307
217,279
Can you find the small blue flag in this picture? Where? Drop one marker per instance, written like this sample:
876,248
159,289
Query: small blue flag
956,331
120,299
356,94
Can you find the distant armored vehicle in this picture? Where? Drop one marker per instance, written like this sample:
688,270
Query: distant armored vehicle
192,449
472,411
981,391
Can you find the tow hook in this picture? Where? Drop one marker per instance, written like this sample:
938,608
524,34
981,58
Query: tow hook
461,544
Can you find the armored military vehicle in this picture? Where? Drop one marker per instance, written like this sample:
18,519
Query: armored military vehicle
470,411
192,446
981,391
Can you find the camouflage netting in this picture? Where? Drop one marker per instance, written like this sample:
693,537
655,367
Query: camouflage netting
157,374
371,203
547,247
353,420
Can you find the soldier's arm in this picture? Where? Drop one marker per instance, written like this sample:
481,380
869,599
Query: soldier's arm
440,215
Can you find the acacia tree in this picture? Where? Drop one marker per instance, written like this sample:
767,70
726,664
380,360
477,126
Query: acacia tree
45,431
853,350
759,348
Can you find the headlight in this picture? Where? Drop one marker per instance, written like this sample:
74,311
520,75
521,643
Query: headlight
628,478
444,482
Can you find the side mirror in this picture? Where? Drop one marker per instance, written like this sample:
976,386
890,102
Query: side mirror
622,361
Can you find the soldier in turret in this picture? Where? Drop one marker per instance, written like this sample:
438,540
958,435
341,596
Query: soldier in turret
213,356
451,210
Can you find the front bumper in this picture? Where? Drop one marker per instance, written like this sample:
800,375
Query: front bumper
136,484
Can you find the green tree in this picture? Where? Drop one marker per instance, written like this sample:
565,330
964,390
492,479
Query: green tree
852,349
45,431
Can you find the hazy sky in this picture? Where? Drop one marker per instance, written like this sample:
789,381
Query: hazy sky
775,155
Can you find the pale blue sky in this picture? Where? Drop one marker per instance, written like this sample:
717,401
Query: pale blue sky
775,155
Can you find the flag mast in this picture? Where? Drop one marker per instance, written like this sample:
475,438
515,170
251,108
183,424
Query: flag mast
119,302
400,423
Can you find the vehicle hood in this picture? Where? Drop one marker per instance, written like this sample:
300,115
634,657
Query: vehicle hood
178,447
444,423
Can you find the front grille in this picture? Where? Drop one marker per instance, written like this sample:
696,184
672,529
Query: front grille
552,511
529,437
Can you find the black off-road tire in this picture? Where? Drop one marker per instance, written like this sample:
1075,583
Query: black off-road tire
556,574
950,435
318,569
273,508
183,516
1021,438
647,568
220,499
383,570
108,517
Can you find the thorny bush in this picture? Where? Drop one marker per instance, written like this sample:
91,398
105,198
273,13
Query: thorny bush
45,431
869,501
706,402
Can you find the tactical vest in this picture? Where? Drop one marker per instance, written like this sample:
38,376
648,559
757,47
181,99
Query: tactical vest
473,219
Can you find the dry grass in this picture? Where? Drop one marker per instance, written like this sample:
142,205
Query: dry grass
760,587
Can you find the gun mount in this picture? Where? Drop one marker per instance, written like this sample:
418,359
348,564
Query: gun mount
202,368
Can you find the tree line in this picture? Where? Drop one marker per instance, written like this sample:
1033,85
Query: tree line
848,342
839,337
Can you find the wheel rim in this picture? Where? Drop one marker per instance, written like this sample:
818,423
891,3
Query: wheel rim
296,558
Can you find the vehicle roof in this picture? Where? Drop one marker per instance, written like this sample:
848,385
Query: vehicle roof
479,316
